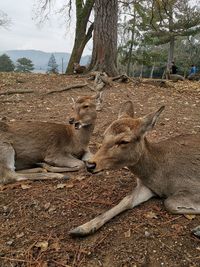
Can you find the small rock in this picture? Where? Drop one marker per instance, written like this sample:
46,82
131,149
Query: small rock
147,234
10,242
196,231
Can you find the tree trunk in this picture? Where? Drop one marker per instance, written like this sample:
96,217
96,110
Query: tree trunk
172,38
82,35
104,54
131,45
171,50
152,70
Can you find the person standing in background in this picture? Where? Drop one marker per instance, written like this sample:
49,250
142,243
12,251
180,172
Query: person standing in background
173,68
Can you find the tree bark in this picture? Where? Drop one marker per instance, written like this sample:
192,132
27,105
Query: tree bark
82,35
104,54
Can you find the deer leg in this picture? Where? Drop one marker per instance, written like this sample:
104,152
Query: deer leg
183,203
32,170
7,168
54,169
140,194
87,155
67,163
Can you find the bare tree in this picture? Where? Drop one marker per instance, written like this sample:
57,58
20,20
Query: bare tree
5,21
84,27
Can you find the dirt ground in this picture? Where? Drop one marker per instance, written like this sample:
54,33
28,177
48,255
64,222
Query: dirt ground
35,217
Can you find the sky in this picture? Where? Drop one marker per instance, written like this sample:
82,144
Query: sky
24,33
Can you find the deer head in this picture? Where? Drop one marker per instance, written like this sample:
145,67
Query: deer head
84,112
123,142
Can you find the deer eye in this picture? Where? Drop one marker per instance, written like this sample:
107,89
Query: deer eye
86,106
123,142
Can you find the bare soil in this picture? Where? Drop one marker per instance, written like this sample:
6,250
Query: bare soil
35,217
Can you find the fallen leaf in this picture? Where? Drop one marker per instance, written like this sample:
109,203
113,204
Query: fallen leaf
69,185
43,245
60,186
55,246
190,216
127,233
20,235
80,178
151,215
47,205
25,186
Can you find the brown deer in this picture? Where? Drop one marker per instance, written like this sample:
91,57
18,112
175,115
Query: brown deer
78,68
169,169
56,147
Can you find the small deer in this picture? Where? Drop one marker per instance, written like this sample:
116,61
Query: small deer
79,69
55,147
169,169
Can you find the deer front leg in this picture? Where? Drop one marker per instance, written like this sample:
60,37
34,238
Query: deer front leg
139,195
65,162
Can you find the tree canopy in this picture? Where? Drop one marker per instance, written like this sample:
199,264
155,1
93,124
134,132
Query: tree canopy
52,65
24,65
6,63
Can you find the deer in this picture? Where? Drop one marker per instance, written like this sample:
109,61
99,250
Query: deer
169,169
78,68
54,147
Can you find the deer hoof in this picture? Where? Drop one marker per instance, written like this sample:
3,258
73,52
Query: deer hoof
80,231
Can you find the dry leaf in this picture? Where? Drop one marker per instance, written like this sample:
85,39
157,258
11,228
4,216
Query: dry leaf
128,233
80,178
25,186
55,246
69,185
151,215
43,245
47,205
190,216
20,235
60,186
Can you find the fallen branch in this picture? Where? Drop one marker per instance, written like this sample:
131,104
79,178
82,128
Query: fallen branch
69,87
12,92
157,82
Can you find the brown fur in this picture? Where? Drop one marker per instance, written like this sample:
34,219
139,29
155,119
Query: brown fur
24,144
79,69
169,169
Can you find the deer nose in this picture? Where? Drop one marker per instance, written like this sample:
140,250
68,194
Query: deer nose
71,120
90,166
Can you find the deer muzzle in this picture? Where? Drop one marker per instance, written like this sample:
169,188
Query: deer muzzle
90,166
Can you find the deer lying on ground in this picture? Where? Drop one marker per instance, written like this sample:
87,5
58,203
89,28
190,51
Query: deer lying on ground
57,147
79,69
169,169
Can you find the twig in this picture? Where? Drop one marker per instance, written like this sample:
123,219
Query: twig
12,259
12,92
69,87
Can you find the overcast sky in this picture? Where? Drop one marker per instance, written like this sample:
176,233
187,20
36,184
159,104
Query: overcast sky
23,33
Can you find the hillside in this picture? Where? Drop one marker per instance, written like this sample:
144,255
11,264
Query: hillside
40,58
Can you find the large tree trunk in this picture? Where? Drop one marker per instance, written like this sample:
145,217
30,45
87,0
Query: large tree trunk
82,35
104,54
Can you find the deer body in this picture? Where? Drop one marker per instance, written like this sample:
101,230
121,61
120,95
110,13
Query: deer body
169,169
26,144
78,68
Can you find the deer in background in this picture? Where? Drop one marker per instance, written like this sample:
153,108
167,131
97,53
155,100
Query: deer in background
78,68
169,169
55,147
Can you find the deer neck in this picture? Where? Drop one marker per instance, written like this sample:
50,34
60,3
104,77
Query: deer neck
149,161
84,134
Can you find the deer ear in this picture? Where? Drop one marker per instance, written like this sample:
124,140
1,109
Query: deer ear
126,110
148,122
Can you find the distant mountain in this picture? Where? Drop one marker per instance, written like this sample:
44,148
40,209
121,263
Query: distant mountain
40,59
